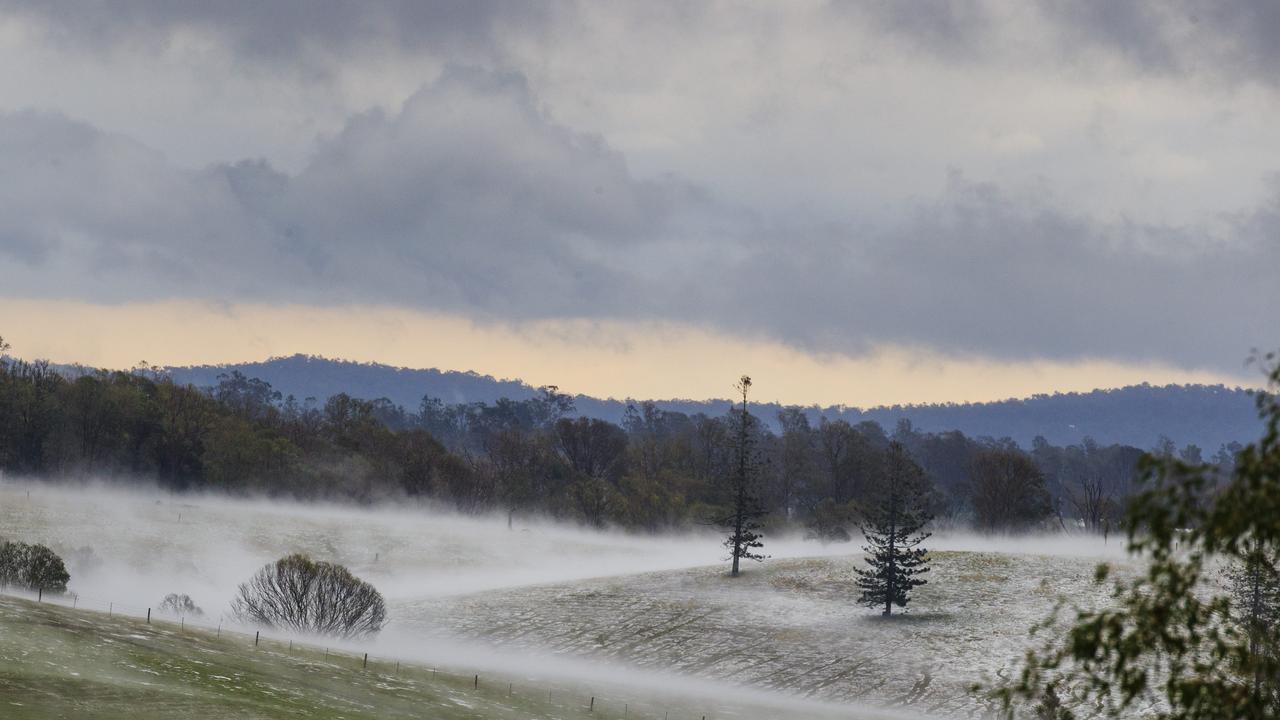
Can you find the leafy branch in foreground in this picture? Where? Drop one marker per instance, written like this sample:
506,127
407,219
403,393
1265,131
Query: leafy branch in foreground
1173,644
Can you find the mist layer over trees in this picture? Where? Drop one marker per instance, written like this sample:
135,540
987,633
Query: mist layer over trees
657,469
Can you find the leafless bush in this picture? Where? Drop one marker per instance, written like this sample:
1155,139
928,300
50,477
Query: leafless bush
302,594
180,605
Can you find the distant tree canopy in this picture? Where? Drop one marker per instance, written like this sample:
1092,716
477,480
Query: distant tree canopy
1208,415
1009,490
32,567
656,469
298,593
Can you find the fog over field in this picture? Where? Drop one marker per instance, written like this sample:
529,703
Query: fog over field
648,614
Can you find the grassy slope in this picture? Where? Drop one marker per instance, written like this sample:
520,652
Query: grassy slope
793,625
61,663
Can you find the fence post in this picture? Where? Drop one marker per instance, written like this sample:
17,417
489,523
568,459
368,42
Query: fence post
397,667
40,594
219,628
110,608
592,707
625,709
148,616
256,633
75,600
508,689
366,661
182,623
477,682
290,646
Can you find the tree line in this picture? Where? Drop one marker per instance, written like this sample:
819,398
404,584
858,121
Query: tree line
655,470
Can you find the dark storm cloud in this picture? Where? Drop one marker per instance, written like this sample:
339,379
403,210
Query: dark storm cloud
288,30
1233,40
980,272
472,199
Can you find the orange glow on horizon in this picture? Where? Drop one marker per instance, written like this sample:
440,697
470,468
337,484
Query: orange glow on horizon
602,359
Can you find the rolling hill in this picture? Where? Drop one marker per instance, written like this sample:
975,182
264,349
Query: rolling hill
1138,415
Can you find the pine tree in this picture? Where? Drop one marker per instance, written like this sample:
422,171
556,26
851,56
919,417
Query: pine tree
1254,587
892,528
743,522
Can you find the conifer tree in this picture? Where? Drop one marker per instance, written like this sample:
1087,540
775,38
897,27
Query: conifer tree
743,522
1254,590
893,529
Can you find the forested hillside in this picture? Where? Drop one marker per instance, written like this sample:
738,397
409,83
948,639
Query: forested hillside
654,469
1141,415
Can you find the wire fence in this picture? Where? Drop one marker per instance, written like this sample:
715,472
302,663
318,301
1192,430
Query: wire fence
345,657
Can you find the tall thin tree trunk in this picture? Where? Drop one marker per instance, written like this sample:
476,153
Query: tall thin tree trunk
893,556
1255,626
741,499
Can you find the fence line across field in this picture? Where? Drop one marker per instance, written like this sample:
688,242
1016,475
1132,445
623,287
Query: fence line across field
592,704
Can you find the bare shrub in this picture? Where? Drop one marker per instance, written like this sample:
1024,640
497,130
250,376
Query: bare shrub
179,605
298,593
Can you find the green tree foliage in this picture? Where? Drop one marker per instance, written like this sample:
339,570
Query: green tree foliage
894,529
32,567
298,593
1172,638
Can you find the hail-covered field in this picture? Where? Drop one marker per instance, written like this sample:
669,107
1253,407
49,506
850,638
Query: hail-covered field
651,624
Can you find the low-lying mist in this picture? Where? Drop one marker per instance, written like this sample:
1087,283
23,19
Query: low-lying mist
132,546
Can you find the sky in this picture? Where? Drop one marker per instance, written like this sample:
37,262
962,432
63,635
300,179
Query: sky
855,202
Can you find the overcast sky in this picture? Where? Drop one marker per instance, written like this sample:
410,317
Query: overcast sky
1076,194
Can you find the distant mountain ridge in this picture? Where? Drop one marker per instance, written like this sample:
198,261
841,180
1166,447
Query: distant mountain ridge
1138,415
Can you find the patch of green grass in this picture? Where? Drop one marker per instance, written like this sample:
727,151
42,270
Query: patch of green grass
61,663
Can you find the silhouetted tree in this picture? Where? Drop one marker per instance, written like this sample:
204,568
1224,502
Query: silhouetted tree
595,451
828,522
1008,490
893,528
1254,587
298,593
743,520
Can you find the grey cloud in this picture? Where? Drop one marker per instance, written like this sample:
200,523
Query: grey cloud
1236,40
1232,39
469,198
978,271
472,199
289,30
